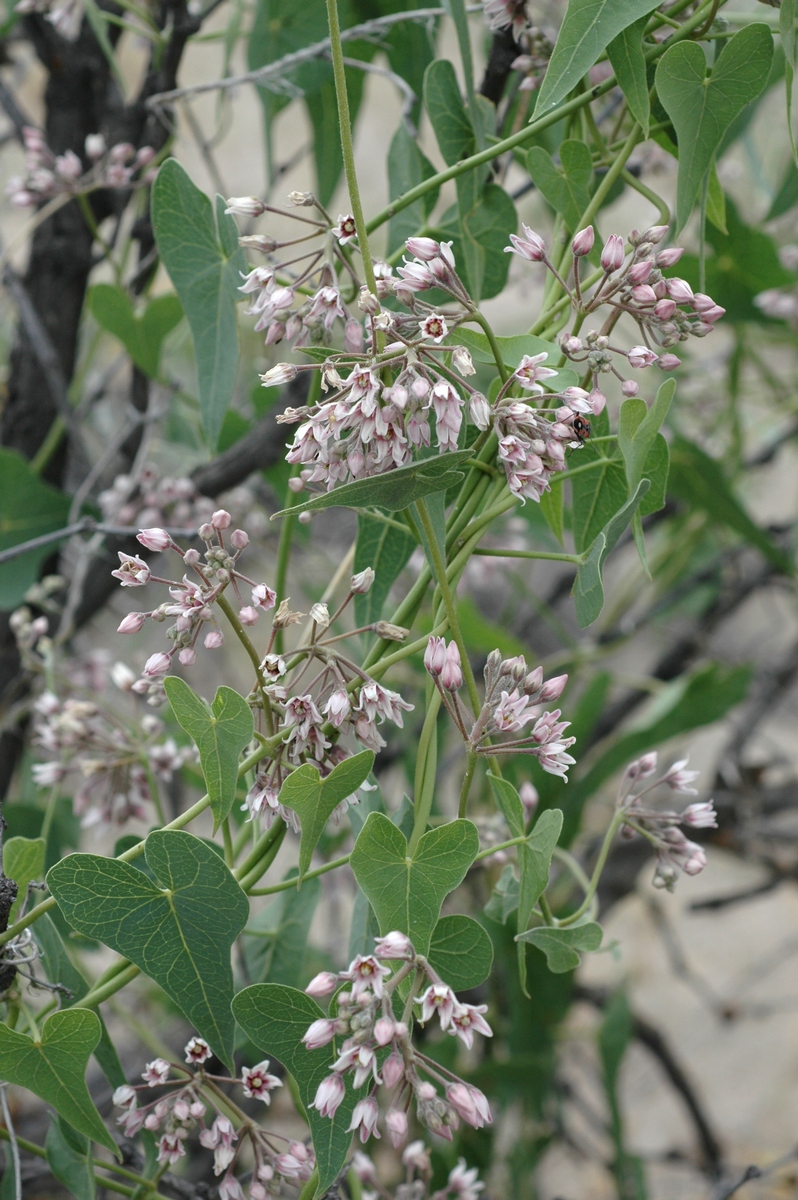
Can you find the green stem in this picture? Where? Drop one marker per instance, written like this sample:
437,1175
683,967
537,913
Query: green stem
663,211
264,862
98,994
494,345
292,883
468,778
49,813
227,837
142,1184
615,824
261,847
49,446
426,768
254,657
578,559
347,148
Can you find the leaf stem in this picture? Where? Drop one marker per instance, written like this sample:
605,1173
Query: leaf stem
614,826
291,883
111,1184
577,559
426,768
254,657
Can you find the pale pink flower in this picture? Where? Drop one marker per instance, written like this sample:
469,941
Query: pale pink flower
529,372
323,984
171,1148
463,1183
467,1020
197,1051
345,230
154,539
329,1095
132,623
394,945
396,1125
319,1033
156,1072
133,571
680,780
438,998
470,1104
364,1119
434,327
530,246
700,816
258,1083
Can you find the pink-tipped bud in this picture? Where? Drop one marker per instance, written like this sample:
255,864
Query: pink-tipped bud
239,539
279,375
641,356
612,255
644,295
394,945
361,583
713,314
469,1103
583,242
214,639
452,671
435,656
668,362
393,1069
205,531
384,1030
655,234
245,206
531,246
191,557
630,388
423,247
597,401
221,519
188,656
323,984
319,1034
641,768
664,309
157,664
529,797
479,411
669,257
679,290
132,623
329,1095
553,688
639,272
248,615
154,539
396,1124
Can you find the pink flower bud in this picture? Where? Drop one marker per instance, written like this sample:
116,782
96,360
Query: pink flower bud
583,242
639,272
529,797
531,246
323,984
154,539
319,1034
644,295
329,1095
679,290
552,689
435,656
214,639
205,531
423,247
361,583
187,656
157,664
612,255
479,411
664,309
668,362
396,1124
244,206
132,623
655,233
191,557
713,314
248,615
239,539
452,672
641,768
393,1069
630,388
640,356
669,257
394,945
384,1030
597,401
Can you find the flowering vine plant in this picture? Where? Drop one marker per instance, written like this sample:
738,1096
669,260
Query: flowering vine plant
387,392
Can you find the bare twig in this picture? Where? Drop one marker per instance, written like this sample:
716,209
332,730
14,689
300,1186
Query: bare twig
400,84
84,525
273,71
725,1191
8,102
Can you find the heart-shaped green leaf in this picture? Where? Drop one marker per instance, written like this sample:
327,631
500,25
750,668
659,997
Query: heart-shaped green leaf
54,1069
141,336
275,940
180,935
69,1158
407,893
314,799
628,61
702,106
199,248
534,854
588,590
567,188
588,26
220,735
23,861
562,946
461,952
394,490
638,429
274,1018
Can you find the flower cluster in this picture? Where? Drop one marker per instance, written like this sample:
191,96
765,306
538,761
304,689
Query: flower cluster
48,174
188,1098
462,1183
515,697
675,852
114,762
665,309
378,1048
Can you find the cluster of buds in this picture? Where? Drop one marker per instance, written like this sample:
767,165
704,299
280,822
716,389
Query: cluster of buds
666,310
508,14
537,49
462,1183
115,762
514,698
48,174
151,499
675,852
188,1097
378,1048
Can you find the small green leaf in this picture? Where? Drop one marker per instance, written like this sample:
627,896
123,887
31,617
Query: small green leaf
562,946
199,248
220,735
407,167
512,351
588,591
69,1157
479,234
314,799
534,855
276,937
597,493
588,27
567,188
28,508
504,900
407,893
23,861
702,106
638,426
628,61
54,1069
656,468
180,935
141,336
386,550
275,1018
394,490
461,952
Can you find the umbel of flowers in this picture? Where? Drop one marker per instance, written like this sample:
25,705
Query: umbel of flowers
374,1017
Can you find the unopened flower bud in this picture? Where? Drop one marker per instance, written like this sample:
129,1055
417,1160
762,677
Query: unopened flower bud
668,362
277,376
396,1124
393,1069
95,146
630,388
391,633
214,639
553,688
641,356
452,672
191,557
384,1029
664,309
247,615
301,199
597,401
221,519
669,257
239,539
534,681
323,984
528,794
583,242
612,255
320,614
154,539
259,242
435,656
244,206
361,583
423,247
205,531
122,676
132,623
640,271
157,664
679,290
187,656
479,411
296,484
305,518
367,302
